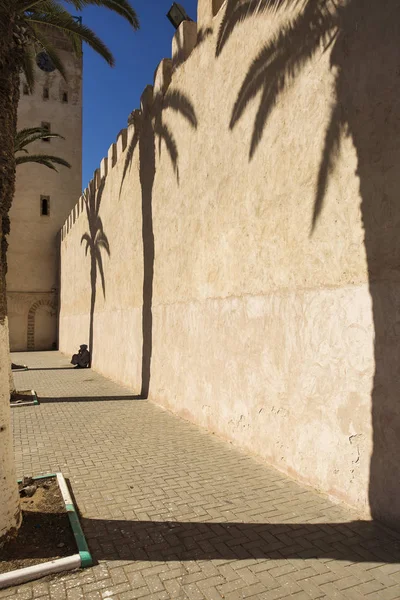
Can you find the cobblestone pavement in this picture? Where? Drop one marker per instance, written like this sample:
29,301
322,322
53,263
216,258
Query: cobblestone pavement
171,511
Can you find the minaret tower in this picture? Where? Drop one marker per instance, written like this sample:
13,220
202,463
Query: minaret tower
43,199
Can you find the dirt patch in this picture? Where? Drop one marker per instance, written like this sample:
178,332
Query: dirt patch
45,533
22,397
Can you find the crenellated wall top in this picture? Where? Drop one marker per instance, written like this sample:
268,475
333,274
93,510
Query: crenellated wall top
188,34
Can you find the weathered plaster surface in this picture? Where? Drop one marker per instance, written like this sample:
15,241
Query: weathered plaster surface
10,515
262,330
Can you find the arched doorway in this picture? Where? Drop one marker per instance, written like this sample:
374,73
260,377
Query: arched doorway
42,326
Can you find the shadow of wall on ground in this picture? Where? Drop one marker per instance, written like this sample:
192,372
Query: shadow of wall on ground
150,128
96,241
364,37
58,399
355,541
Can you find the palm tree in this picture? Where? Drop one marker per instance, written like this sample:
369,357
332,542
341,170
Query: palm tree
26,25
96,241
150,128
363,37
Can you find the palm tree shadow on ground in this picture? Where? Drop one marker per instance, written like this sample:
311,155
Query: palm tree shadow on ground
96,241
364,38
149,127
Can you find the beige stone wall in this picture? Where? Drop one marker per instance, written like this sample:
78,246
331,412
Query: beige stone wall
33,251
275,335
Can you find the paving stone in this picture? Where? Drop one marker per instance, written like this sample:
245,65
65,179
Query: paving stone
171,512
75,593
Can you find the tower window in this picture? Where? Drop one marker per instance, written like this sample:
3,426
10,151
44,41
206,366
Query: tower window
46,126
65,97
45,93
45,206
25,89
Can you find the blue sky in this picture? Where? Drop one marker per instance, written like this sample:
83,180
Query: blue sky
110,94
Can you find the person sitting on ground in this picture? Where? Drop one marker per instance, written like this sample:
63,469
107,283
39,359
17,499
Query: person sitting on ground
82,359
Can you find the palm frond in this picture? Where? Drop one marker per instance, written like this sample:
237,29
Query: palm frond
26,5
42,159
28,131
32,134
121,7
22,134
39,15
54,56
26,136
53,15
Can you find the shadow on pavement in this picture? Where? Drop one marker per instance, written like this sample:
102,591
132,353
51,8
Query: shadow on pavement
56,399
355,541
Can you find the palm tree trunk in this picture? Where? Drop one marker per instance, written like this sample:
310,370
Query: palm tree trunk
9,98
10,514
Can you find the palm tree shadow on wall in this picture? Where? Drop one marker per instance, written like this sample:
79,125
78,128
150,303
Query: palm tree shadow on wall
364,40
149,127
96,241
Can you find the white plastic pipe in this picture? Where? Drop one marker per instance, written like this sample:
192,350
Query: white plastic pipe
29,573
62,484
